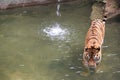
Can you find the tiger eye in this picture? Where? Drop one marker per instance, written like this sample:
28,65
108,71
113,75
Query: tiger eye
87,57
96,57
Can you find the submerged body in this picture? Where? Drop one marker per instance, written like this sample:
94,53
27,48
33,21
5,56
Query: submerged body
93,42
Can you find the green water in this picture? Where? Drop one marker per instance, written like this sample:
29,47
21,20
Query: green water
36,44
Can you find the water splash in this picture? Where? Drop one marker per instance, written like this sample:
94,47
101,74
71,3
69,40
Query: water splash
56,31
58,8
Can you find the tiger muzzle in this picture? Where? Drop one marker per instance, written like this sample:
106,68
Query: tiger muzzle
92,64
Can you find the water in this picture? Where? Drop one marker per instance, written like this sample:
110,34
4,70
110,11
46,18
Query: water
36,44
58,8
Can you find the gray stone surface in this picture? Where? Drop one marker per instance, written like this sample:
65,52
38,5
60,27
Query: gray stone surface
5,4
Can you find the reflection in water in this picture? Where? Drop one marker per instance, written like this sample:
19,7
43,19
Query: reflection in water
56,31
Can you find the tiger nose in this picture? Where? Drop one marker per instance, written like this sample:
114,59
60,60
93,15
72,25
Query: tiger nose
92,65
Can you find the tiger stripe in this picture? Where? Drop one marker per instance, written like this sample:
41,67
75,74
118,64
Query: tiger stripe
93,42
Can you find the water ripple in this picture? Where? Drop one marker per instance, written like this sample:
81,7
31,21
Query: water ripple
111,55
72,68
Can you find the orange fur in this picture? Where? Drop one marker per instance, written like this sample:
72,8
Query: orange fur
93,42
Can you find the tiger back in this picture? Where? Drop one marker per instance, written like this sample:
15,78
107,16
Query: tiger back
93,42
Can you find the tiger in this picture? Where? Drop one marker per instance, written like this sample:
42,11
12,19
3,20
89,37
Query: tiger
93,43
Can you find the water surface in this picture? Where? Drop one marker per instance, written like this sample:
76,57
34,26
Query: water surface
46,43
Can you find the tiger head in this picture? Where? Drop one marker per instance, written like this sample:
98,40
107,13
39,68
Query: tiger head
92,57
